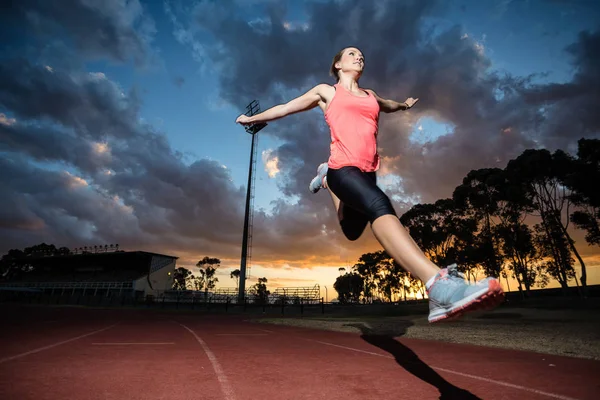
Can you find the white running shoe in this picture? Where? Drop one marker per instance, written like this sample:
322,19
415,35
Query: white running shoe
450,296
319,181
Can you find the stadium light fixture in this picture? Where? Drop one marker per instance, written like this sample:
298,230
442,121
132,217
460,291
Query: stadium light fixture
251,109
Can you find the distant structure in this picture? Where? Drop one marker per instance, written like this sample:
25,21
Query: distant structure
251,109
107,248
92,273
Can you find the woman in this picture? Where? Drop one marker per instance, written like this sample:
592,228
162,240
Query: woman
352,114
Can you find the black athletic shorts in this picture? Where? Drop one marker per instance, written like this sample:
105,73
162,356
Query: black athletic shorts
361,200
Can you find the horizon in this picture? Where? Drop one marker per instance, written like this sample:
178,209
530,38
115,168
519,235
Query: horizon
117,122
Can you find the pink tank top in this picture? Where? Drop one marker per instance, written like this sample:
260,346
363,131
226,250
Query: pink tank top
353,122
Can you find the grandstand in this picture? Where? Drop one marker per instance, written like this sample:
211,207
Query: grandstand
297,295
133,273
281,295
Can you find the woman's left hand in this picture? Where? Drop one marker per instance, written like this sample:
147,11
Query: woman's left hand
243,120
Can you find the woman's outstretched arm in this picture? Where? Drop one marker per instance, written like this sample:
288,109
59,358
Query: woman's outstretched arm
305,102
390,106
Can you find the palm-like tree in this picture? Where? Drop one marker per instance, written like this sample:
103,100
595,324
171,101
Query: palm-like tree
235,274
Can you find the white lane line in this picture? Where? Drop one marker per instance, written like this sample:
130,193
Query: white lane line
223,381
264,330
241,334
480,378
132,344
3,360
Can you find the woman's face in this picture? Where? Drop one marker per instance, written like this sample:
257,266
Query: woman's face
352,60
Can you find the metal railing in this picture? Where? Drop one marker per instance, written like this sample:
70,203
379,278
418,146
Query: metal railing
70,285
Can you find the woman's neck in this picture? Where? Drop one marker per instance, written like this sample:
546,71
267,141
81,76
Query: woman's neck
349,83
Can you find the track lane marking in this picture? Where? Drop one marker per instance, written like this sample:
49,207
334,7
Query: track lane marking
449,371
223,381
5,359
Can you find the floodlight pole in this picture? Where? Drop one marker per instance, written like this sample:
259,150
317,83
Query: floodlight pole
251,109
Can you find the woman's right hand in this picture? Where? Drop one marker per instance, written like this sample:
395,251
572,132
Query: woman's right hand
243,120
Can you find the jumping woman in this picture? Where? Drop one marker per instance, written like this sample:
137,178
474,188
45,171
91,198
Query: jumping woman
352,114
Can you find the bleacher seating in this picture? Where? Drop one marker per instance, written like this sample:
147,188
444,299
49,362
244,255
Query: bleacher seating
98,271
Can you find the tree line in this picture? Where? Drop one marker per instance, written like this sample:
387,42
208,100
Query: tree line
184,279
509,223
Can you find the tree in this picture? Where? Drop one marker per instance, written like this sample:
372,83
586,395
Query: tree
392,279
198,281
16,262
260,292
584,194
207,269
349,287
181,277
480,196
553,246
468,250
428,225
235,274
524,259
541,174
368,267
13,265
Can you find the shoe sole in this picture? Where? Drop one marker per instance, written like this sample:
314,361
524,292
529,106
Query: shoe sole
487,303
491,298
310,185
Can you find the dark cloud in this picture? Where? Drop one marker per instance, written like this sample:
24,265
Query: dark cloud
493,116
569,110
89,105
79,167
118,30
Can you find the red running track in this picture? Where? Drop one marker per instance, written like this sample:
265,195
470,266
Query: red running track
108,354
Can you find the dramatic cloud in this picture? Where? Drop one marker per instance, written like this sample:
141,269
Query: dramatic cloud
80,166
569,110
118,29
494,117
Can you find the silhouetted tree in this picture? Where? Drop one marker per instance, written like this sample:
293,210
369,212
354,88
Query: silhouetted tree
259,292
181,278
349,287
432,227
541,173
207,269
480,195
235,274
368,267
524,261
198,281
16,263
585,192
392,278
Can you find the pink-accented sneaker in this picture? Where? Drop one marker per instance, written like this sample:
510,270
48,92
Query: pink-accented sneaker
450,296
319,181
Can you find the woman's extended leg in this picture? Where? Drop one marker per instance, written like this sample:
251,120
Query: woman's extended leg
401,247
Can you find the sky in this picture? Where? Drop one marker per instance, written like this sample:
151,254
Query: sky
117,118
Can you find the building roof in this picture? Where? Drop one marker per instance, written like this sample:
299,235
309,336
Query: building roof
89,255
117,262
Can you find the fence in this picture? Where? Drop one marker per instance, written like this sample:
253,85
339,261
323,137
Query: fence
115,294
